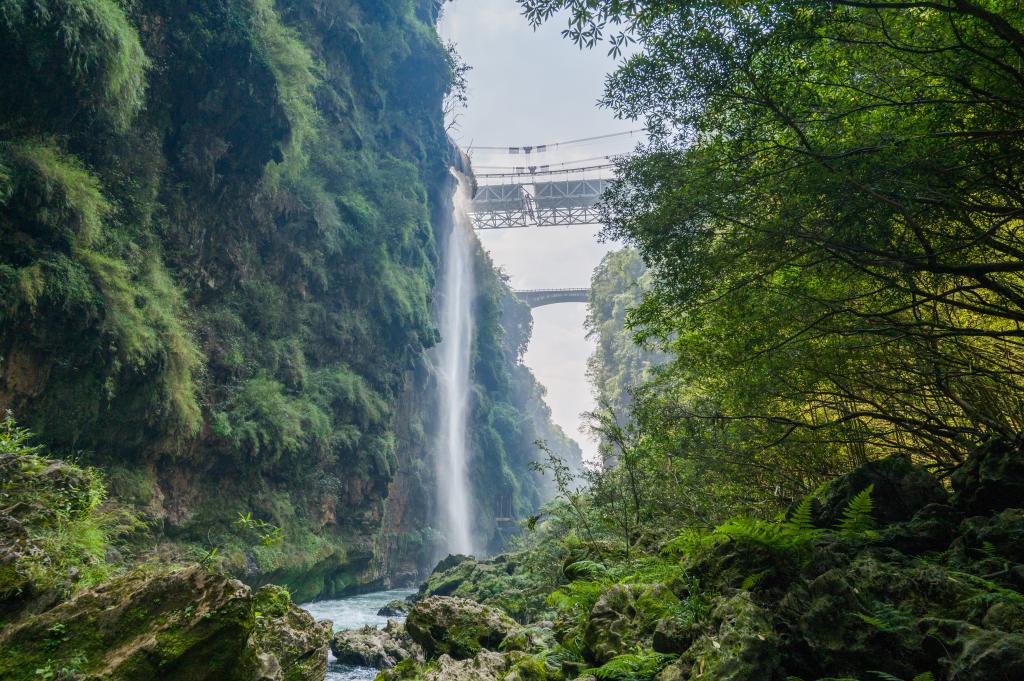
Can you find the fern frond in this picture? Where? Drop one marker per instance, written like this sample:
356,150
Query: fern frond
885,617
585,569
633,667
775,536
802,518
884,676
857,515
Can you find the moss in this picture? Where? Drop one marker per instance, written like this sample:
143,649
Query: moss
272,600
97,64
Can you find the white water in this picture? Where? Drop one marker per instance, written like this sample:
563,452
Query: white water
453,356
354,612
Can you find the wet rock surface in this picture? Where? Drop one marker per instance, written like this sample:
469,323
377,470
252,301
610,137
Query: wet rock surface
992,479
394,608
373,647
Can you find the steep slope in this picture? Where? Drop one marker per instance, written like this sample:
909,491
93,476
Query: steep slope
217,255
619,364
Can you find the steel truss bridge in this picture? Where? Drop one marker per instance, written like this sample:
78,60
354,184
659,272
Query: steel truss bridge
537,199
539,196
551,296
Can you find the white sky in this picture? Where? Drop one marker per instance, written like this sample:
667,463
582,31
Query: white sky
532,88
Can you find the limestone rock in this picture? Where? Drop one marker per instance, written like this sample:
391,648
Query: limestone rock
623,617
901,489
290,635
741,645
187,624
394,608
932,528
457,627
373,647
486,665
671,636
970,653
447,576
991,479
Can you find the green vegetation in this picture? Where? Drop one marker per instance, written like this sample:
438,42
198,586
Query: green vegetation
824,476
619,365
57,529
217,261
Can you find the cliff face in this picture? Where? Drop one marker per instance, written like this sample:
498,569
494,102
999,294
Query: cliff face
217,255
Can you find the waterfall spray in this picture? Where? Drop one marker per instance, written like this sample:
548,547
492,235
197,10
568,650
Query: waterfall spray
453,356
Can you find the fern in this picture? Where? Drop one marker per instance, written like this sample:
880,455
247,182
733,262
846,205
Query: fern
885,617
751,581
689,542
886,676
633,667
585,569
857,518
776,536
802,515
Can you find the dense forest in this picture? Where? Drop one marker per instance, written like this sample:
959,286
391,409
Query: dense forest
220,230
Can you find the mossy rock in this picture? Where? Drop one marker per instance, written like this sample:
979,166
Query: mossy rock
740,645
186,624
969,653
623,617
394,608
528,669
991,479
457,626
900,489
376,648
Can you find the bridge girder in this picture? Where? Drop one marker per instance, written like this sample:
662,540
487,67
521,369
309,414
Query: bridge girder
531,203
551,296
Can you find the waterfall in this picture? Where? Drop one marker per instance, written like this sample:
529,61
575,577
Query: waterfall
452,360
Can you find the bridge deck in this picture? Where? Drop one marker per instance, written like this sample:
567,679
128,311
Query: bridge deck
552,296
532,203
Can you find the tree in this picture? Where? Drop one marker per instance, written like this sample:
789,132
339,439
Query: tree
831,206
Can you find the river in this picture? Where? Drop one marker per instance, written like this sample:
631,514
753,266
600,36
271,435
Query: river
354,612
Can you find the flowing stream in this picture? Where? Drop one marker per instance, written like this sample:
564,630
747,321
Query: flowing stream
354,612
452,359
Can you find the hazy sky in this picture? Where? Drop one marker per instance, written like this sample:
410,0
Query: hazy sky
532,88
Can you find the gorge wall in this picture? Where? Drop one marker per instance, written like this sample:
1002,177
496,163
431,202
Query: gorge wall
218,249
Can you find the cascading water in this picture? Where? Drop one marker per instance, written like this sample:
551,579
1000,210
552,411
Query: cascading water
452,357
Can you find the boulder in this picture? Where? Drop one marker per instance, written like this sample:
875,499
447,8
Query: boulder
486,665
457,626
447,576
624,616
932,528
741,645
373,647
394,608
672,636
970,653
900,489
991,479
288,642
187,624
